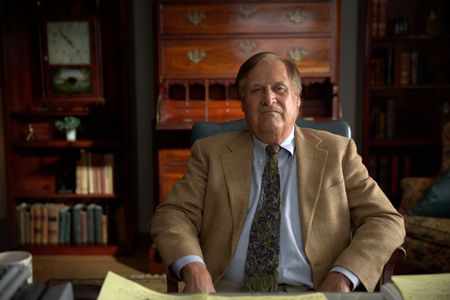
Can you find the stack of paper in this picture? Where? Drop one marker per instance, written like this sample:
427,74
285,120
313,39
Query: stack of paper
415,287
118,288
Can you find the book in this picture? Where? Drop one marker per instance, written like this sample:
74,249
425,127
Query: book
98,212
104,240
44,218
68,227
81,174
109,173
91,223
76,222
20,222
83,227
414,67
31,225
405,68
53,223
90,173
62,224
37,223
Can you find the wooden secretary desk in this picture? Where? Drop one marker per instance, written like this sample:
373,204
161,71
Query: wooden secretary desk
200,47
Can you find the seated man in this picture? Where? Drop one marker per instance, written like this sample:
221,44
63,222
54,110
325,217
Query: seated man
305,214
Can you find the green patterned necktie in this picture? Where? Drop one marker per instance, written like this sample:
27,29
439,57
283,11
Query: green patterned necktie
261,265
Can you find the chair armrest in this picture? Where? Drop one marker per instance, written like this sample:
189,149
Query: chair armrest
388,269
414,189
172,285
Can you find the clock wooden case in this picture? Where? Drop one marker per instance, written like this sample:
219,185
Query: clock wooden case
71,61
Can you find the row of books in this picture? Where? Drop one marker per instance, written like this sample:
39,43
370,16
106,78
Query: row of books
384,70
44,224
379,18
94,173
382,120
387,170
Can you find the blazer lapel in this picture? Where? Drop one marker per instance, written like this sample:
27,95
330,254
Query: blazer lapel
310,169
237,166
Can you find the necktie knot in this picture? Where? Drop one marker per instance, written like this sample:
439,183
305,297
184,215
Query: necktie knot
273,149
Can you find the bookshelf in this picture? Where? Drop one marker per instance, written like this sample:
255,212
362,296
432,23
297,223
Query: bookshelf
67,197
406,89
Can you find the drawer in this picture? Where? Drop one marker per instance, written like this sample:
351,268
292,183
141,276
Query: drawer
180,114
172,166
221,58
253,18
224,111
183,114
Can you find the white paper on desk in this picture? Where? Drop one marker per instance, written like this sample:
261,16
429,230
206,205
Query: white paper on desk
429,286
116,287
306,296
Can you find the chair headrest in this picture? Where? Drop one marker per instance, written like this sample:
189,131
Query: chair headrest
204,128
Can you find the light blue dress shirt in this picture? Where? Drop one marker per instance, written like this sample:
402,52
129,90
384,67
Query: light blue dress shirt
293,268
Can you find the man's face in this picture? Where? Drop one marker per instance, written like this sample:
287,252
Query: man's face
270,104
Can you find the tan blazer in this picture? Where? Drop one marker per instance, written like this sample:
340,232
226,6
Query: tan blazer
205,212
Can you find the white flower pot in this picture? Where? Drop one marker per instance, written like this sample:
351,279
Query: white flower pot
71,135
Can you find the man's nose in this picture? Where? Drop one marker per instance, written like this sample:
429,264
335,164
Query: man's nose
269,96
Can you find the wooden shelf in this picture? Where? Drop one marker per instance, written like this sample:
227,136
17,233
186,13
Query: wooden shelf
400,88
410,38
63,144
56,113
404,142
75,197
74,250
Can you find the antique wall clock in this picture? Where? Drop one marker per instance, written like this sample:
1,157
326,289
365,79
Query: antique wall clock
71,67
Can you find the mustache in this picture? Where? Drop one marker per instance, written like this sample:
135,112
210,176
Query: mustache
271,109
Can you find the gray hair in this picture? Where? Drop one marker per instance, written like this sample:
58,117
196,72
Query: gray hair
249,65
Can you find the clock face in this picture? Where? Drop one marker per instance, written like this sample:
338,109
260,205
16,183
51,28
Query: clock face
68,43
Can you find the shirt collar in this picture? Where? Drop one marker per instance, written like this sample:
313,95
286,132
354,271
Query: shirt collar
288,144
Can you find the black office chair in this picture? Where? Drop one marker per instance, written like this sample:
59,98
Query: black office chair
340,127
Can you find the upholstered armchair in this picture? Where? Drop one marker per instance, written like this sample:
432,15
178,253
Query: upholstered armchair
425,205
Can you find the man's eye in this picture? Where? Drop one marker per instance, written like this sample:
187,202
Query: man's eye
280,89
256,90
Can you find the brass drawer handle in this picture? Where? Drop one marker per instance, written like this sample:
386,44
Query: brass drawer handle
296,16
195,17
297,54
247,46
195,56
246,11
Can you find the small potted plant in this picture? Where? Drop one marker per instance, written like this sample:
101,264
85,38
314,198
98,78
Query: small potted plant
68,125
